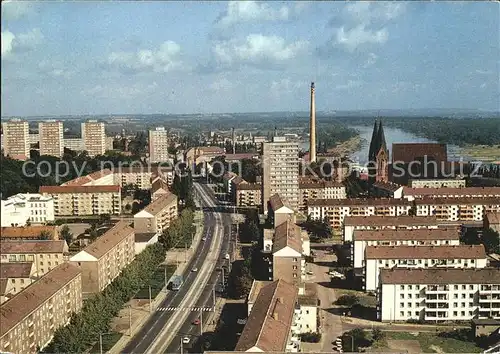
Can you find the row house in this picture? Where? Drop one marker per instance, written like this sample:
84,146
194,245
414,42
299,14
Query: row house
30,318
272,325
403,222
315,188
384,257
458,209
157,216
44,254
84,200
446,192
437,294
335,210
417,237
29,233
104,259
14,277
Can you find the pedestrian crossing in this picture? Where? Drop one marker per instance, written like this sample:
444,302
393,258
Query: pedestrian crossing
197,309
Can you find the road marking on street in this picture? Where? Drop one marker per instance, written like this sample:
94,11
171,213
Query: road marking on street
184,309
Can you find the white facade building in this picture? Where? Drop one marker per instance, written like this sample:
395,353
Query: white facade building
454,209
418,237
437,183
22,208
385,257
438,294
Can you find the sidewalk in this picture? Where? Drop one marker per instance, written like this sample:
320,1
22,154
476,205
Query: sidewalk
136,311
210,324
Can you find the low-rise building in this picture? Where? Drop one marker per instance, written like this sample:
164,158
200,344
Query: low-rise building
415,237
437,294
23,208
159,188
84,200
200,154
458,209
157,216
385,257
315,188
45,255
14,277
278,212
246,194
29,233
143,240
437,183
272,325
30,319
140,176
353,223
104,259
467,192
492,221
335,210
104,177
387,190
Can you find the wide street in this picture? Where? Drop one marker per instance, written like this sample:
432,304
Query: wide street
166,326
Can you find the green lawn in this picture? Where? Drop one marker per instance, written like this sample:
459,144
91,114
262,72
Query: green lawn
157,282
430,342
108,341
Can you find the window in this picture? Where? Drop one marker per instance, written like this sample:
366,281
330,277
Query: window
471,296
401,296
462,313
409,296
463,304
455,304
401,313
409,313
463,287
471,304
471,287
455,313
455,296
455,287
402,287
417,313
417,287
410,287
409,304
401,304
463,296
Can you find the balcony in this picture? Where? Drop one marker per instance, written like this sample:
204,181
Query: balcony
437,288
438,298
489,298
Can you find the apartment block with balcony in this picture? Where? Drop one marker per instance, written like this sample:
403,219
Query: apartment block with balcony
51,138
315,188
84,200
403,222
157,216
30,318
14,277
104,259
437,294
465,209
446,192
417,237
386,257
45,254
272,323
246,194
94,137
139,176
158,145
336,210
31,233
280,172
16,141
437,183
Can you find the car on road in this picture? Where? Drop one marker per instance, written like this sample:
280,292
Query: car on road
196,322
203,238
194,269
226,256
186,340
309,272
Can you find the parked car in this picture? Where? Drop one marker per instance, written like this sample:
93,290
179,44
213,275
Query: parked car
186,340
309,272
226,256
194,269
196,322
203,238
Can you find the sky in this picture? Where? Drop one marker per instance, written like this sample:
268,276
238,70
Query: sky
179,57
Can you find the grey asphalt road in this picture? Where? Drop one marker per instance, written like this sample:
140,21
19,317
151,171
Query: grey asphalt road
150,331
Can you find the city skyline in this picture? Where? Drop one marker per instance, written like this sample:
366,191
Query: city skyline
96,58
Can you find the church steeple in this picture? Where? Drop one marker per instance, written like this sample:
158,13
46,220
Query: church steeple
381,139
373,143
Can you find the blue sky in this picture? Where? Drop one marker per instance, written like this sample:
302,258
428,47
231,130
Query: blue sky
69,58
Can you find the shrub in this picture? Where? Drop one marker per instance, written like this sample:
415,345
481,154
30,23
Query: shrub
347,300
310,337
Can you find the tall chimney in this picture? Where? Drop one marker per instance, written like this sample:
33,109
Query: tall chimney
312,128
234,141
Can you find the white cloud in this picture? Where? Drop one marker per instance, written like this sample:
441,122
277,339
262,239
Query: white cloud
7,42
483,72
359,35
365,23
257,48
120,92
285,86
250,11
165,59
372,59
14,10
221,84
55,69
12,43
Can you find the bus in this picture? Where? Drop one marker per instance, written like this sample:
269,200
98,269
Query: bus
177,282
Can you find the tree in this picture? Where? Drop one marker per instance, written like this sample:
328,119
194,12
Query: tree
354,339
250,230
377,334
45,235
66,234
347,300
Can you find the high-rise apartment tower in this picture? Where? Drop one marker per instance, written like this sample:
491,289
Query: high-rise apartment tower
51,138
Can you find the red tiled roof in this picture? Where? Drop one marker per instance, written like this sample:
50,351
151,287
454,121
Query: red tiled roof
409,152
359,202
448,191
80,189
438,276
403,220
426,252
405,234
